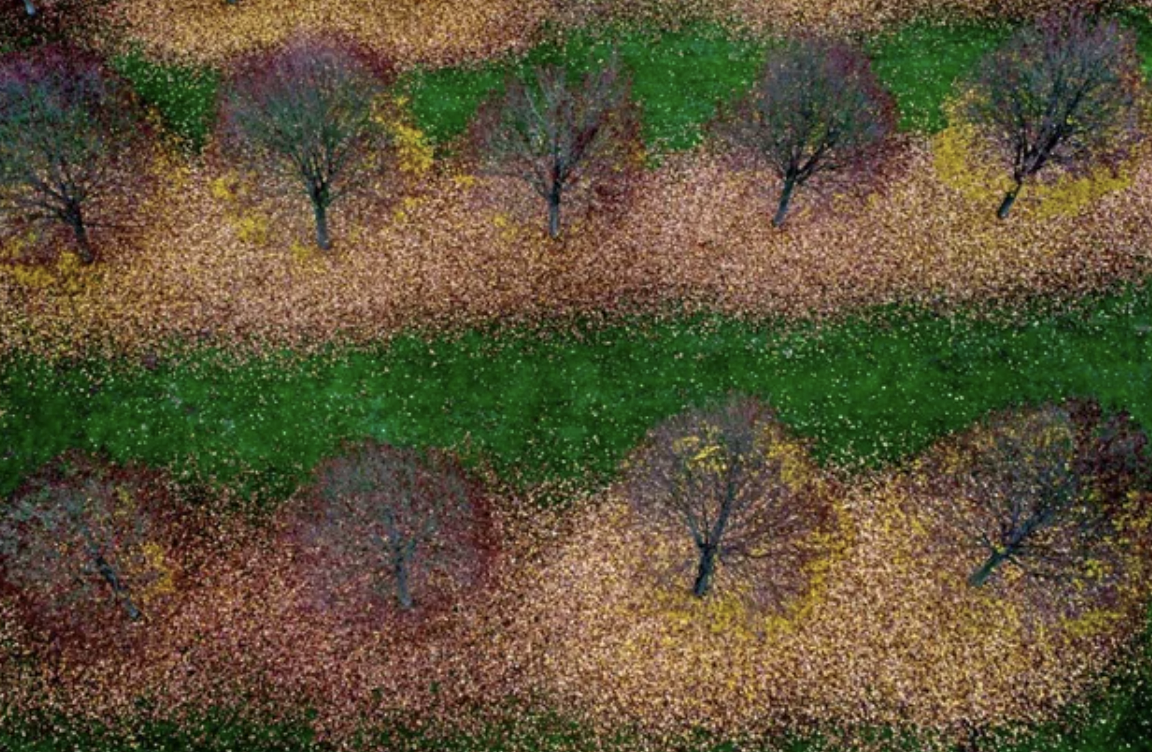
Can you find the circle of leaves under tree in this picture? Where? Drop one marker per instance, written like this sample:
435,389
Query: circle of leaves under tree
392,529
738,494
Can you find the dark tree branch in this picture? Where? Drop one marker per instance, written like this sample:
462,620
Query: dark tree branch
718,477
816,108
307,111
1060,92
551,131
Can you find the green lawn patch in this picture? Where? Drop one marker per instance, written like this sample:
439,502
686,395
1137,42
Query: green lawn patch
571,402
920,64
678,78
182,96
1139,21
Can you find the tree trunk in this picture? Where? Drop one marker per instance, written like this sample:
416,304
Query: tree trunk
403,589
321,212
75,219
121,592
981,575
554,214
785,199
1009,199
704,571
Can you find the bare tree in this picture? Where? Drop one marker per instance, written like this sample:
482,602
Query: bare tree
78,536
816,107
553,131
727,478
65,127
1041,491
307,110
395,520
1060,92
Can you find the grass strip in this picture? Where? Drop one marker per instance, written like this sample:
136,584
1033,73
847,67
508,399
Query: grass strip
568,402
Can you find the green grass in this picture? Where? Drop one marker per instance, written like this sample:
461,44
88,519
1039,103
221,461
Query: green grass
569,404
443,100
213,730
1139,20
680,76
183,96
677,78
919,64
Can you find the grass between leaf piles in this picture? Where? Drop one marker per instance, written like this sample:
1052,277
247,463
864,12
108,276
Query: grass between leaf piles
679,76
568,402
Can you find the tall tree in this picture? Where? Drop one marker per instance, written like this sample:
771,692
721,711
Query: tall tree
392,522
552,130
731,481
306,113
816,107
65,128
1061,92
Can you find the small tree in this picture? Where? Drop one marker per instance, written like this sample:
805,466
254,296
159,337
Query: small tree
307,110
816,107
1060,92
65,126
731,480
1042,491
553,131
395,523
79,536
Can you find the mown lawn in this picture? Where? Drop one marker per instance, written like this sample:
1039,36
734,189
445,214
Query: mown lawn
679,77
567,402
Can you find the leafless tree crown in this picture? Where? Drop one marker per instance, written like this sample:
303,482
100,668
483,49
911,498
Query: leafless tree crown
1042,490
552,130
1061,92
64,126
394,525
816,107
75,540
308,111
729,480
